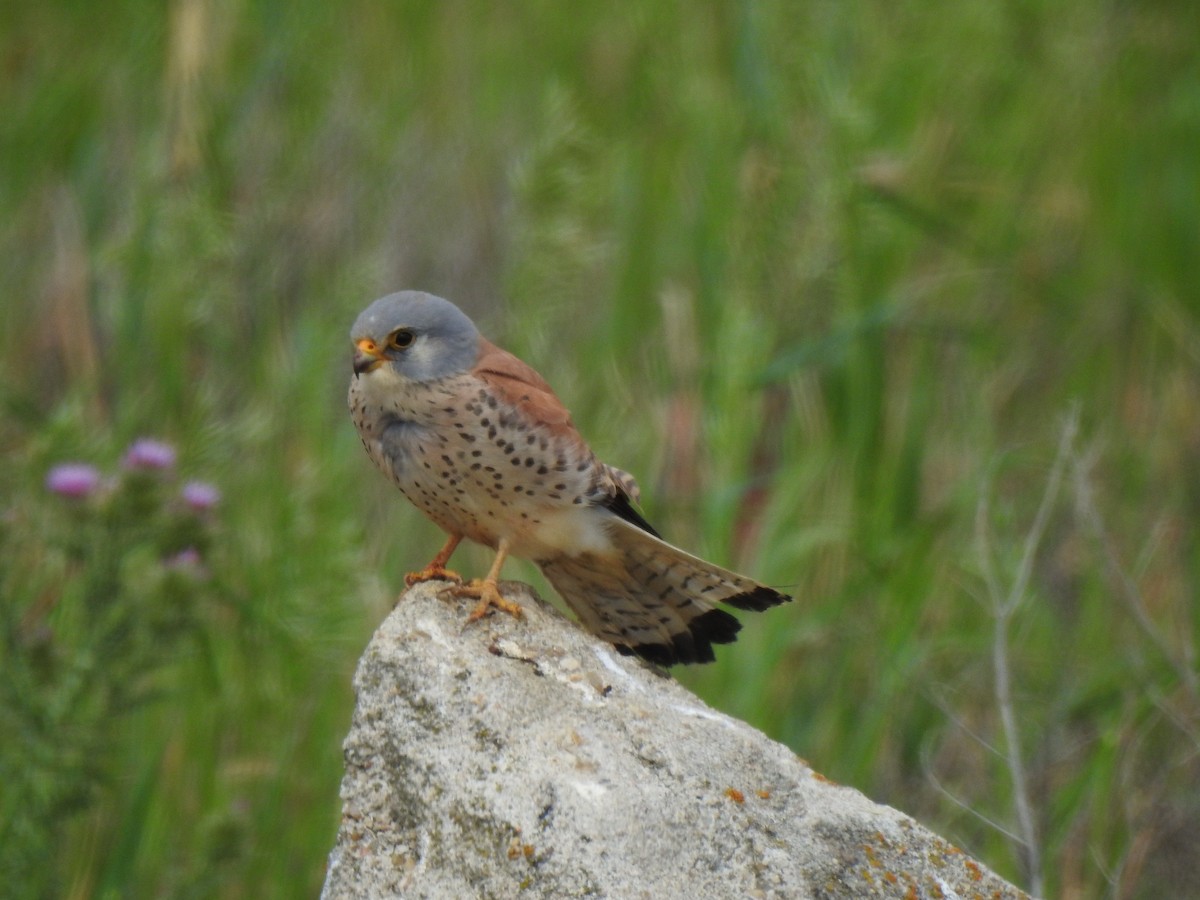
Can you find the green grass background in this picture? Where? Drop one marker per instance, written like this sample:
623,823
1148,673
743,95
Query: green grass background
833,279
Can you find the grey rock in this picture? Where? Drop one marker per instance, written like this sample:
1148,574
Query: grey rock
525,758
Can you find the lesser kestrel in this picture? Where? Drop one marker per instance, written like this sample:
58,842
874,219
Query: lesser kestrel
478,441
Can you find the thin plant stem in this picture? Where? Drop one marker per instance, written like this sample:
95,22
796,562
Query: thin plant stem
1003,609
1182,663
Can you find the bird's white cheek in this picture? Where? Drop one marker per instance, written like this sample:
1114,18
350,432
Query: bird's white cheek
420,359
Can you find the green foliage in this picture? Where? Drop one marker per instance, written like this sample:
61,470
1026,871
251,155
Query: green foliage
827,277
107,582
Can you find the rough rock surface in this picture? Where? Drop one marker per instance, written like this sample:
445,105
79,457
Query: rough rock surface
524,758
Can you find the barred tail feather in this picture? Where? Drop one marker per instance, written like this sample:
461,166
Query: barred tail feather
654,600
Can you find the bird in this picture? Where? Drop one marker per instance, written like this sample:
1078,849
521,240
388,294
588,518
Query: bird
478,441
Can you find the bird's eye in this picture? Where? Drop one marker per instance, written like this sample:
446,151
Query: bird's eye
401,339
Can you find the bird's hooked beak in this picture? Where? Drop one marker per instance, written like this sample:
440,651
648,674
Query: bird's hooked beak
367,356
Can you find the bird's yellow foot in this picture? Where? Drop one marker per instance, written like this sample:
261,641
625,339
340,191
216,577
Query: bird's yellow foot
436,570
489,595
432,573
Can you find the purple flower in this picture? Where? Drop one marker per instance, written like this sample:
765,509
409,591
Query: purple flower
76,480
200,496
147,453
187,558
187,561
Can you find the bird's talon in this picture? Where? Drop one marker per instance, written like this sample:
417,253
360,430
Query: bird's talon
432,573
489,596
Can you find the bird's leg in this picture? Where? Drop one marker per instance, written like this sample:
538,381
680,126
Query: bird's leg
436,570
487,590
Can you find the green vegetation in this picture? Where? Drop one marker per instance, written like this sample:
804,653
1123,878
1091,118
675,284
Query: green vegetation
891,305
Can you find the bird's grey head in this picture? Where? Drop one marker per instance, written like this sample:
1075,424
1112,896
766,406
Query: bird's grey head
420,336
